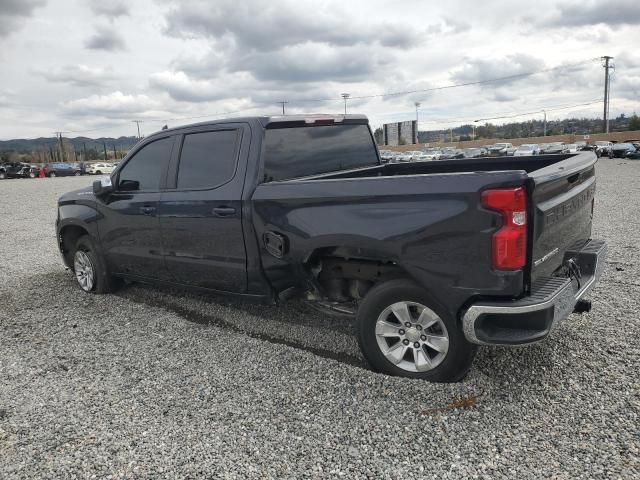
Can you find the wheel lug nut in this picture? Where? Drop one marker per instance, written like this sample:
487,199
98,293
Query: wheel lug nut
423,338
417,345
419,327
405,341
407,325
401,331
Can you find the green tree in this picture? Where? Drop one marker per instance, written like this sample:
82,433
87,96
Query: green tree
634,122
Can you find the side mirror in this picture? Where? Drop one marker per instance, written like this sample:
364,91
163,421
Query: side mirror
102,186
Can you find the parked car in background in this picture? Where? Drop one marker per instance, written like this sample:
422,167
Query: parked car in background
570,148
620,150
403,157
420,156
433,154
603,147
472,152
14,170
502,149
386,155
633,155
527,149
100,169
554,147
61,170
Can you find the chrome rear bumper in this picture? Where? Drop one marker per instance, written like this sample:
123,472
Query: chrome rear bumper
530,319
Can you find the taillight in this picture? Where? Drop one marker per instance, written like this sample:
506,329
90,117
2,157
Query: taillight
510,242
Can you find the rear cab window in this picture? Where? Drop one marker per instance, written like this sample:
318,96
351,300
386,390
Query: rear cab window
294,152
208,159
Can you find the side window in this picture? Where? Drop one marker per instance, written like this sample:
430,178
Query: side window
144,171
207,159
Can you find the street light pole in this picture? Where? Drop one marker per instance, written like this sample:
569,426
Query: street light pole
545,123
345,96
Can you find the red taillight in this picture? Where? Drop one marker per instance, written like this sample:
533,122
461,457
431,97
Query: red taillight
510,242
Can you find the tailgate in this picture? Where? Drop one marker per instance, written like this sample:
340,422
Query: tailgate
562,202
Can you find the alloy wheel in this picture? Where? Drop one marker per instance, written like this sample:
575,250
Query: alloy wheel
84,270
412,336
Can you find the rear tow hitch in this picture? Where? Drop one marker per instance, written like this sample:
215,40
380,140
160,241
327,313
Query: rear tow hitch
582,306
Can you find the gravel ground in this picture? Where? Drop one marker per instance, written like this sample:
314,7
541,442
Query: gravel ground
163,384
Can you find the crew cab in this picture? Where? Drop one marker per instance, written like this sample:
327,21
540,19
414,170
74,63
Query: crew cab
14,170
430,258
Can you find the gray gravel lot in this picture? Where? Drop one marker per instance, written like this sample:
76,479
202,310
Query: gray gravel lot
163,384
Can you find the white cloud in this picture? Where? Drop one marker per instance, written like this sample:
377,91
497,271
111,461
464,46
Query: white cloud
116,103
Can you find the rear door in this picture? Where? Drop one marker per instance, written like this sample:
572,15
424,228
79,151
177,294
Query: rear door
201,210
563,196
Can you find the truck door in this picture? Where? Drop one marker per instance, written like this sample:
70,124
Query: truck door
128,226
201,210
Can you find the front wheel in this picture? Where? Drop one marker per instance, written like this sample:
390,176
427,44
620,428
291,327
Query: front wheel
402,331
89,268
3,175
52,174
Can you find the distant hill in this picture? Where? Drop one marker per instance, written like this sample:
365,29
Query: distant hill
22,145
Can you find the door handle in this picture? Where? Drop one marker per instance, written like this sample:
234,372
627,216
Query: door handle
147,210
224,211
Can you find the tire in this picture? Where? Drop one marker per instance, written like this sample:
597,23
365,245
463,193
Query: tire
52,174
90,269
98,172
437,350
77,174
32,175
3,176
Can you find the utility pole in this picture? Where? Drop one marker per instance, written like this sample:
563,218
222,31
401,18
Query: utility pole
545,124
605,116
62,152
283,103
104,147
137,122
345,96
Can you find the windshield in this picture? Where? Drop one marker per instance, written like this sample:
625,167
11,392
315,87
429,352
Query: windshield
525,147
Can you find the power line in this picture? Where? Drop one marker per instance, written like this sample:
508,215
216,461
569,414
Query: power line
465,84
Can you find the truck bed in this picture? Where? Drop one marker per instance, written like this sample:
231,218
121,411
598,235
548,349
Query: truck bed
439,226
489,164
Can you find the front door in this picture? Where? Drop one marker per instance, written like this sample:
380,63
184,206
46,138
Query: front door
200,211
129,228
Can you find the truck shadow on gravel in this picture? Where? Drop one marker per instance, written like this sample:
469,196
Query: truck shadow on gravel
297,325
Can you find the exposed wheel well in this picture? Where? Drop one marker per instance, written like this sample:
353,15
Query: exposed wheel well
342,274
69,235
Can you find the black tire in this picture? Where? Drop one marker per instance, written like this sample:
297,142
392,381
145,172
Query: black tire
32,175
459,356
3,175
98,172
52,174
77,174
102,281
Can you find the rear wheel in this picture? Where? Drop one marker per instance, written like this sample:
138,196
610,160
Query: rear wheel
77,174
3,175
403,331
52,174
89,268
98,172
32,175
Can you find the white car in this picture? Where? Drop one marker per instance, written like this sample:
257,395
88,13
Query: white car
527,149
603,147
404,157
100,168
570,148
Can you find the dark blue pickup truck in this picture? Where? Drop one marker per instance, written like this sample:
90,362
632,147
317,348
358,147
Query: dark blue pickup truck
432,258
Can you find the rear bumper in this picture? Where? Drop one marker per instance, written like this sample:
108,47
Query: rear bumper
530,319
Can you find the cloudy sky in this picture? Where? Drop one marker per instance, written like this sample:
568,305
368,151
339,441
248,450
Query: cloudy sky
92,67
